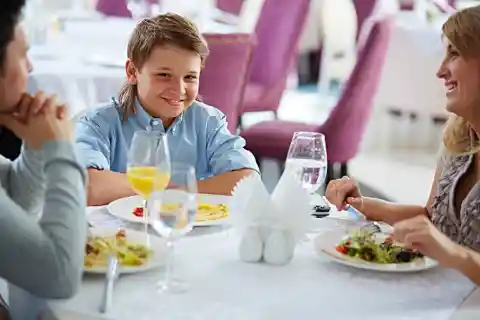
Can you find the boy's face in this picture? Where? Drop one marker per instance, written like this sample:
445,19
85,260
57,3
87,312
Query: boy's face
168,81
14,76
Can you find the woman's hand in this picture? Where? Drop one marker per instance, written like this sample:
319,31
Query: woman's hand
38,120
420,234
342,192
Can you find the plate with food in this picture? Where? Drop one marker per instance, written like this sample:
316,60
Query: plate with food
129,246
212,209
370,251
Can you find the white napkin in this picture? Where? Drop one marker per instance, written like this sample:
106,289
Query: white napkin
270,225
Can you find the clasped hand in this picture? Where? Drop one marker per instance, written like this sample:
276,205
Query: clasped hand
38,119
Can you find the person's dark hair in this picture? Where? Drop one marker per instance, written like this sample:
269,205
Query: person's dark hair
166,29
10,14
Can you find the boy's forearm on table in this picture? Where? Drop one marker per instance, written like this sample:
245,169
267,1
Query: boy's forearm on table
106,186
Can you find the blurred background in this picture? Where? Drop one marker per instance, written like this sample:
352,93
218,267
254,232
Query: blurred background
278,65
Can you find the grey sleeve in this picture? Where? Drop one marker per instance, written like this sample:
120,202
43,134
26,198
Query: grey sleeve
14,176
45,257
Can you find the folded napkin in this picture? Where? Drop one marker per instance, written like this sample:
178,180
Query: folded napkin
270,225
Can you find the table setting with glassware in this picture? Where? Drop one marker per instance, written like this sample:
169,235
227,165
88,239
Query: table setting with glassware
172,253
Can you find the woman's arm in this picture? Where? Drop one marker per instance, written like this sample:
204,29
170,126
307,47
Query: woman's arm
391,213
107,186
46,257
27,167
468,263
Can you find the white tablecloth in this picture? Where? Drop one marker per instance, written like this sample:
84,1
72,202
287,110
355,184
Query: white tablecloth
310,287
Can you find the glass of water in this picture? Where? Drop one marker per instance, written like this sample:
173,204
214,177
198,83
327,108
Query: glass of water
173,217
307,159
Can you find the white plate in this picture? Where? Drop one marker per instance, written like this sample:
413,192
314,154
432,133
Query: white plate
123,208
158,246
325,244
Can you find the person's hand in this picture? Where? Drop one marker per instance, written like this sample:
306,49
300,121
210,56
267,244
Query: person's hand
30,106
38,120
343,192
420,234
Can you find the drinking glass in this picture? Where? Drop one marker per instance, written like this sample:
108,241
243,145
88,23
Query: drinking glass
148,168
307,159
173,217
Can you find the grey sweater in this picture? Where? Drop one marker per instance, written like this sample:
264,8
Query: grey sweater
43,256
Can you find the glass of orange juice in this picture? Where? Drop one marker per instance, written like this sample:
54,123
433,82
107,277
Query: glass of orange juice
148,168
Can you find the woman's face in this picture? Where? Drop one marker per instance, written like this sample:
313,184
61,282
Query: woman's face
168,82
462,82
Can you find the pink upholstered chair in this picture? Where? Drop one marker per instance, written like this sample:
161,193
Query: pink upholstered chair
231,6
278,31
346,123
364,9
223,80
116,8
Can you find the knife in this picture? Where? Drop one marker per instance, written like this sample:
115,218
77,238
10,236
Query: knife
112,274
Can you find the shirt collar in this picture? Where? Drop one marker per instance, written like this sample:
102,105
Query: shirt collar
148,121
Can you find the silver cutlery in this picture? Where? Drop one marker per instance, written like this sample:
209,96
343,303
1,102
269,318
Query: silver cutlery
371,228
112,275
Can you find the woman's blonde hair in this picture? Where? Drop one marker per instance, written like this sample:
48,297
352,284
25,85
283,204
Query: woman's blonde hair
462,29
166,29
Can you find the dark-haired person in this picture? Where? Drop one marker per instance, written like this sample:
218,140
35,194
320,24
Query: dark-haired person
165,57
44,256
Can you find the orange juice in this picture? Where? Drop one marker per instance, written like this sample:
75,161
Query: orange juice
145,180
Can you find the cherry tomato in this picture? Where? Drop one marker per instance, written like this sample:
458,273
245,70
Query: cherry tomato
138,212
342,249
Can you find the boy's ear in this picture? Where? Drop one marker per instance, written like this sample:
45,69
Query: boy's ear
131,72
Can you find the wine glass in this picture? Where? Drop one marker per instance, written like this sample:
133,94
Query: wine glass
148,167
174,215
307,159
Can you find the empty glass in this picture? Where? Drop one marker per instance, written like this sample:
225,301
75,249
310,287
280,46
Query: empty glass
173,217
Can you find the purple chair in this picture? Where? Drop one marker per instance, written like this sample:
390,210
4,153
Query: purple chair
364,9
116,8
224,78
345,125
231,6
278,31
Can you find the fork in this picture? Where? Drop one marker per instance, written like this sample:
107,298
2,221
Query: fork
371,228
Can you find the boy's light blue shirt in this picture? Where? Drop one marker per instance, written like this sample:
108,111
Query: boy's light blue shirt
199,137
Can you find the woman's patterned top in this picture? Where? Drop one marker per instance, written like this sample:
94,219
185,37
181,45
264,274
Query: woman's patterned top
462,227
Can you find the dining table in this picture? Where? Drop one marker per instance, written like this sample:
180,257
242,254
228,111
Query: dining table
310,286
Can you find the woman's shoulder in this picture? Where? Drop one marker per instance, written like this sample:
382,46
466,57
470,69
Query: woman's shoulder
448,160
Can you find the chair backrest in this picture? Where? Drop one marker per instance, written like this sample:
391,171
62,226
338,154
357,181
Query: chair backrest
364,9
230,6
278,31
224,78
116,8
346,124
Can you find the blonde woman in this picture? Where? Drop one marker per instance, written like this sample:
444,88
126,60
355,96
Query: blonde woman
448,227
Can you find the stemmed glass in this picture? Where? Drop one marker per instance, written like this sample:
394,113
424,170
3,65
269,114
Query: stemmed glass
148,167
307,159
173,217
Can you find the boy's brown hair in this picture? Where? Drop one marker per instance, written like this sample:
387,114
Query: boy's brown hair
166,29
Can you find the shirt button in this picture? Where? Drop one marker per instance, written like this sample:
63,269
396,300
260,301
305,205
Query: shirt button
154,123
